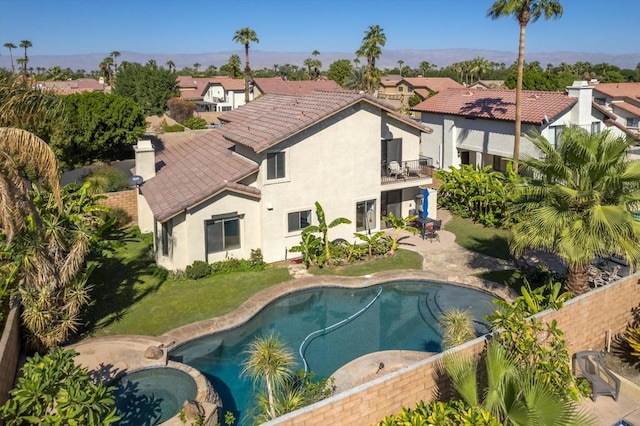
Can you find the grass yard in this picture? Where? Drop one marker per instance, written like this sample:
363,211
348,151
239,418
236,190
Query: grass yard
474,237
133,296
402,259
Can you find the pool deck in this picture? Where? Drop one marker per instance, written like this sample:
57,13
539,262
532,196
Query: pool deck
444,261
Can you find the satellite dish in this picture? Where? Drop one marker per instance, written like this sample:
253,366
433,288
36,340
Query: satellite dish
136,180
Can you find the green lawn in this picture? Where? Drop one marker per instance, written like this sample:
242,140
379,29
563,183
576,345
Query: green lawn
402,259
474,237
133,296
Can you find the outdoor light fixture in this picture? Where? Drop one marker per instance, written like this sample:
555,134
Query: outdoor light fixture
136,180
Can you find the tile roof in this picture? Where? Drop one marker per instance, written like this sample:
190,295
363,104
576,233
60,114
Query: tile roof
619,90
423,93
236,84
496,104
434,84
389,83
276,85
193,88
273,118
67,87
627,107
194,170
611,120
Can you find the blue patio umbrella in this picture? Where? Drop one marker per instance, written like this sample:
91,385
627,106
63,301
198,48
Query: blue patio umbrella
425,202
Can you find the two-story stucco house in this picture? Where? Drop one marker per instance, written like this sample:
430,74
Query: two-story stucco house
398,91
622,100
476,126
253,182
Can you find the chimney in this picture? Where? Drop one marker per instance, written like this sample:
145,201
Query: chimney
581,113
101,80
145,159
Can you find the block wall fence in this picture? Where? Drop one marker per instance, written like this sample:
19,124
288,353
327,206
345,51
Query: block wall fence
586,321
126,200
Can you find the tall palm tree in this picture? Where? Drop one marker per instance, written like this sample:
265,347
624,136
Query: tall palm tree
373,41
579,203
400,63
269,362
315,53
105,67
523,11
513,393
196,67
309,64
245,36
25,44
11,46
171,65
114,55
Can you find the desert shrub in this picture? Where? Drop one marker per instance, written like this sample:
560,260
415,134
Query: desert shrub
180,109
121,217
231,265
174,128
257,261
196,123
107,179
198,269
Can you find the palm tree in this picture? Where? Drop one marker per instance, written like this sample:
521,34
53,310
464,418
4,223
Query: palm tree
269,362
245,36
25,44
105,67
234,64
372,43
513,393
400,63
171,65
524,11
356,81
578,204
308,63
481,66
115,54
315,53
11,46
196,67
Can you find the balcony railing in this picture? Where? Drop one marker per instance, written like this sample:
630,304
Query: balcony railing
407,170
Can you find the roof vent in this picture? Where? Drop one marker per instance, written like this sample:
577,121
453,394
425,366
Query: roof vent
534,96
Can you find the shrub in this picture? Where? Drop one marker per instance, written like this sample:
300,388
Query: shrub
257,261
121,216
106,179
198,269
450,413
180,109
196,123
175,128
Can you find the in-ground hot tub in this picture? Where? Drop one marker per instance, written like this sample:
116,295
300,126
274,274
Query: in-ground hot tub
152,395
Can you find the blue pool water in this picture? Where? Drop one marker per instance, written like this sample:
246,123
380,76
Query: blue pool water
151,396
403,317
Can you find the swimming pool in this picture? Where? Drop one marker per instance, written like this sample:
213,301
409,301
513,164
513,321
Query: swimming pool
153,395
403,316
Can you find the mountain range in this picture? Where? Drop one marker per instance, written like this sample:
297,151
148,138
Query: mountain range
263,59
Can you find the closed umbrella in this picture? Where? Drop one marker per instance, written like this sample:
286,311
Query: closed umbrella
425,202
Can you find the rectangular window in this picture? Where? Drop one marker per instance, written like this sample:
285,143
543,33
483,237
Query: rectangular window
223,234
167,231
595,127
410,89
299,220
365,215
554,135
400,89
632,122
275,165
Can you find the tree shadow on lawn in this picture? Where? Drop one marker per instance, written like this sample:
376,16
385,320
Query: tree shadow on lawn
494,247
117,285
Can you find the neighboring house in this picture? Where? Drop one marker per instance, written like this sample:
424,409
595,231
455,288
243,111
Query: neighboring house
224,95
278,86
488,84
622,101
398,92
476,126
252,183
68,87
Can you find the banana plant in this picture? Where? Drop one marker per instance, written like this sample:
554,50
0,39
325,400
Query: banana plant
399,224
323,228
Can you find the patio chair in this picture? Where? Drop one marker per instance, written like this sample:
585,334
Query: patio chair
431,230
395,169
603,381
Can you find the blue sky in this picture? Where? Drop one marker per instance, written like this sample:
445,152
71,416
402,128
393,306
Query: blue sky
62,27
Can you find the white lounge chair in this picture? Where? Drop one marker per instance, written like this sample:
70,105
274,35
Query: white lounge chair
395,169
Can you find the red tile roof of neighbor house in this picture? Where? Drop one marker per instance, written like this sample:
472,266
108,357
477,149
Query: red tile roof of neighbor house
197,169
276,85
627,107
610,119
273,118
194,170
496,104
236,84
619,90
67,87
192,88
434,84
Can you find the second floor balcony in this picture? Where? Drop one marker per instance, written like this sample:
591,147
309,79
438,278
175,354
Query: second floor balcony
410,170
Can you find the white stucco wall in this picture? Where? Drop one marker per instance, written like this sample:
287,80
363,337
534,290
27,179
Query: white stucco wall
213,93
336,163
189,234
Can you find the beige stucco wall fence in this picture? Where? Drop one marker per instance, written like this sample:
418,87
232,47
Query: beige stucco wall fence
586,321
9,352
